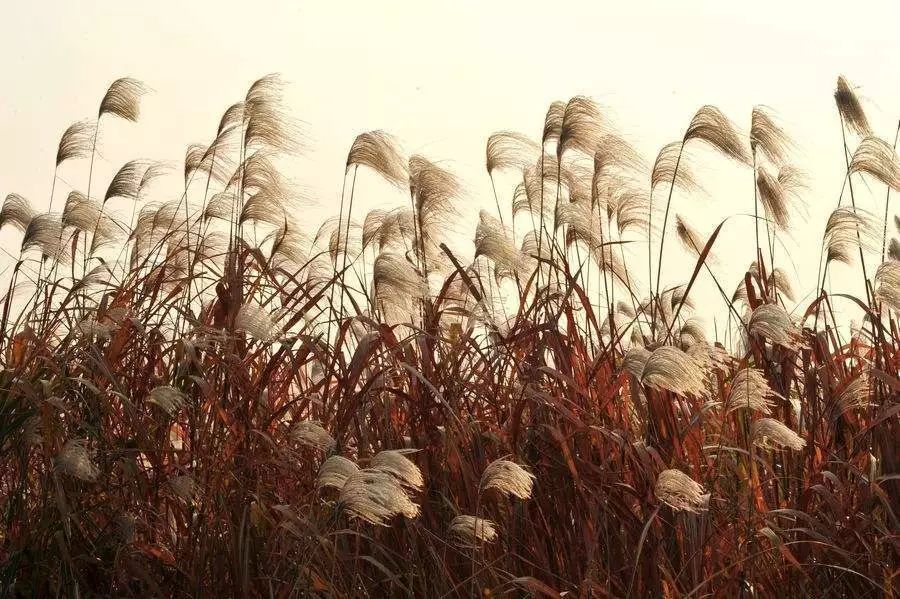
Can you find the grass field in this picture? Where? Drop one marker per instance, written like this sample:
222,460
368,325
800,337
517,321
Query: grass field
206,398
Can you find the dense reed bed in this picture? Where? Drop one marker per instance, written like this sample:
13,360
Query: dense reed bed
203,397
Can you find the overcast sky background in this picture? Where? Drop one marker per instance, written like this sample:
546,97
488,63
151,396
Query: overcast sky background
442,76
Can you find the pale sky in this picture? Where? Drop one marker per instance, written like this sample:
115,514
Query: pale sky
442,76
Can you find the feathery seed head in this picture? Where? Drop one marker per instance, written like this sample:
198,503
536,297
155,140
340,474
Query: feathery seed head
680,492
508,478
471,531
671,369
335,471
769,433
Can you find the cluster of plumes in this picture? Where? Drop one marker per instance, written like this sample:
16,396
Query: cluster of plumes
680,492
769,433
378,493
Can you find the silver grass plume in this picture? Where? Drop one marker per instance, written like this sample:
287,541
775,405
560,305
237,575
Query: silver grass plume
615,154
553,122
691,239
213,160
772,322
76,460
749,389
375,496
782,283
232,118
767,136
270,194
855,395
16,211
265,122
395,279
714,128
887,284
510,150
508,478
257,322
348,241
311,434
90,327
97,276
582,127
372,228
494,241
290,245
876,157
635,361
44,231
680,492
76,141
434,191
849,229
184,487
395,463
335,471
664,169
773,198
632,210
850,108
169,399
123,99
471,531
769,433
708,357
127,180
691,332
80,212
671,369
381,153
